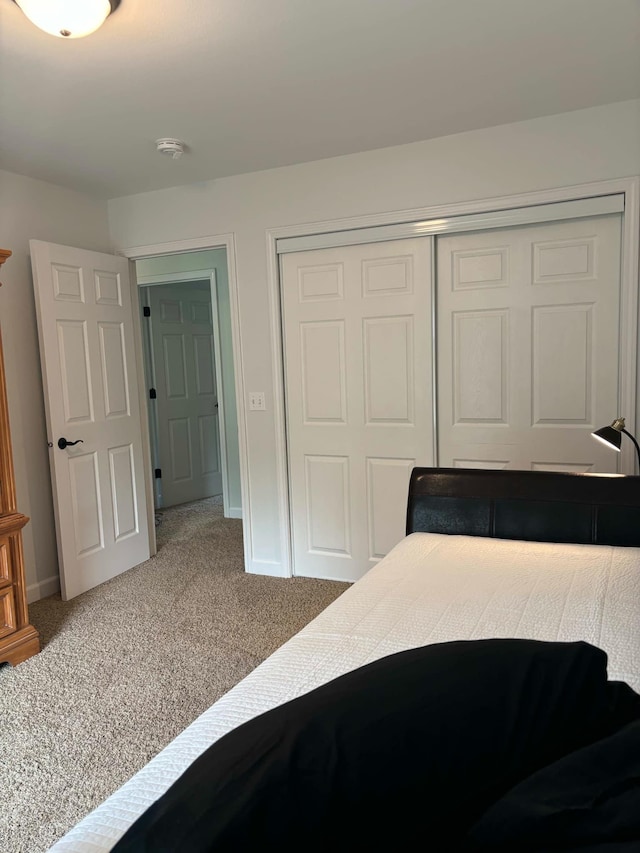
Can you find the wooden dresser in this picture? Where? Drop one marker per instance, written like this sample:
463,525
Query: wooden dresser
18,639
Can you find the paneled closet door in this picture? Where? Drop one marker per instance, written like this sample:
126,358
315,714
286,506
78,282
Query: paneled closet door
528,331
358,382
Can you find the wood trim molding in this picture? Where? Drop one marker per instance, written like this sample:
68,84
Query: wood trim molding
7,477
12,522
20,645
4,254
20,639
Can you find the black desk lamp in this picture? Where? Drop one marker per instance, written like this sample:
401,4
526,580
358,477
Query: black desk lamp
612,436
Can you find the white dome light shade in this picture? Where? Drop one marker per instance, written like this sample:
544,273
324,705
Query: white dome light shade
68,18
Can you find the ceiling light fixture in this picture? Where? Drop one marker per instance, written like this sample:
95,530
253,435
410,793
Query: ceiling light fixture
68,18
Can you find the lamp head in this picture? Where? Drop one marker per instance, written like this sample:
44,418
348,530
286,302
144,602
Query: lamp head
611,435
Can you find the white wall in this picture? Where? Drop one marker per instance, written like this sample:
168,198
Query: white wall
36,210
572,148
213,259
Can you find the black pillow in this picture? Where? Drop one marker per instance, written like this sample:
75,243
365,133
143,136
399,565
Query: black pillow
587,801
405,752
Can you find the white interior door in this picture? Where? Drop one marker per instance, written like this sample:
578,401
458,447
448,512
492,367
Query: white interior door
188,424
358,377
528,332
85,325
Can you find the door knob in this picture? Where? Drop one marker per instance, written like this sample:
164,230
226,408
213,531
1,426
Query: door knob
62,443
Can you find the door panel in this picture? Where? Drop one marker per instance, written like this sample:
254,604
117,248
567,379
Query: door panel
528,329
358,362
87,354
187,397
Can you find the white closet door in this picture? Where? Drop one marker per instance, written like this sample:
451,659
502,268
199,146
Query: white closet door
528,328
358,374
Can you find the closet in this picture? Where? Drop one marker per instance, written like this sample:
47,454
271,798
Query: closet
494,347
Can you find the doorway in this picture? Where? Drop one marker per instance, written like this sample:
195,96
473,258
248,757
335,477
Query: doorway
89,327
189,372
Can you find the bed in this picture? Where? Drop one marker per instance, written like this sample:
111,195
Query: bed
488,554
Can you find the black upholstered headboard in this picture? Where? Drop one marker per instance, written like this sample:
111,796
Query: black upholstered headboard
597,509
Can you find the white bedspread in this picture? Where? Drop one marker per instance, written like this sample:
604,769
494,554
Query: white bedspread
431,588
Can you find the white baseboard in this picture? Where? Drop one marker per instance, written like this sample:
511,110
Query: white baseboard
42,589
234,512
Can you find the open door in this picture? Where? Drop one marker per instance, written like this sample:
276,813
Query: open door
85,327
186,406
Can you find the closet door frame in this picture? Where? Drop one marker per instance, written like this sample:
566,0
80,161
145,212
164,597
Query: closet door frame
507,211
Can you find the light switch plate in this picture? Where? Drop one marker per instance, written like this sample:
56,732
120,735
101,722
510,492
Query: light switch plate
257,401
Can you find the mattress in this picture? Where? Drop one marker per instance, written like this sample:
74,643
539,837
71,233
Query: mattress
430,588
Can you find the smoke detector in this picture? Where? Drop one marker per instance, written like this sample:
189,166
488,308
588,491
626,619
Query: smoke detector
173,147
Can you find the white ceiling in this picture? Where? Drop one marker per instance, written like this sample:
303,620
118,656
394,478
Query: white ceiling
253,84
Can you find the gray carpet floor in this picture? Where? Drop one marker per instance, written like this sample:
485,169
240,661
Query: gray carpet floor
125,667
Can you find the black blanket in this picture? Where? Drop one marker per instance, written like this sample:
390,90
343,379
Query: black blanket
408,752
587,802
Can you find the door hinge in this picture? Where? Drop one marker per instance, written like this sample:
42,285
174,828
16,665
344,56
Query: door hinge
152,394
146,311
158,473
